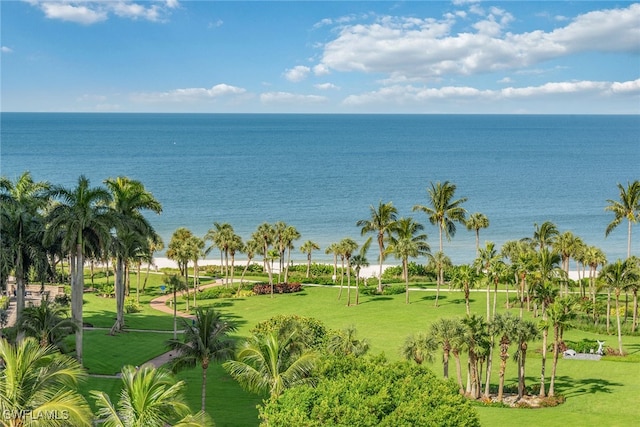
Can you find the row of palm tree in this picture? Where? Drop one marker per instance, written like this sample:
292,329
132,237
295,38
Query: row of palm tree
44,224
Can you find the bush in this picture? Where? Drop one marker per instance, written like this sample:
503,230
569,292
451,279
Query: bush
63,300
393,290
4,303
279,288
311,331
216,292
371,392
131,306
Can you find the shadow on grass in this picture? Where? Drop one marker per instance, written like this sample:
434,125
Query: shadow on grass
570,387
633,348
433,298
375,299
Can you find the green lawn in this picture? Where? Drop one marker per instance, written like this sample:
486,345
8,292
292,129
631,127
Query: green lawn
598,392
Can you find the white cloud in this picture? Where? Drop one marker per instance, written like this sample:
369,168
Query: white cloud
91,12
190,94
505,80
326,86
6,49
290,98
416,95
297,73
425,49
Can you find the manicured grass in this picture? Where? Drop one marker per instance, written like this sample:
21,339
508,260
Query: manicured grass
602,392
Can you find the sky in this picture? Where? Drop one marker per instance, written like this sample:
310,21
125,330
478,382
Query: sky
427,57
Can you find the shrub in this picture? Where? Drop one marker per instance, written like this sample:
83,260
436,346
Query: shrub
216,292
131,306
393,290
4,303
279,288
63,300
311,331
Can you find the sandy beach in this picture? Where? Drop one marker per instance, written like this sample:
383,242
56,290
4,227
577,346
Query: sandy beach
161,262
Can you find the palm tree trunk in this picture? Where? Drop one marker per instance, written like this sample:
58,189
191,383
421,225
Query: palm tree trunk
487,386
119,291
405,269
341,279
308,263
204,387
618,322
556,341
77,292
545,334
381,246
608,308
348,282
456,355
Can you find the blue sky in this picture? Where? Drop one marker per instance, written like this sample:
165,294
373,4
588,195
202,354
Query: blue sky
325,57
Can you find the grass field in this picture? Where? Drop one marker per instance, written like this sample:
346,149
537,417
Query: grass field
601,392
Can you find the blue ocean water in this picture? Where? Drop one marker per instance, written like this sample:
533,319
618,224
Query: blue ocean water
321,173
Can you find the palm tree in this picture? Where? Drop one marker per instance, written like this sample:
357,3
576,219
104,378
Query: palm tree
129,199
307,248
154,244
358,261
505,325
476,342
419,347
235,245
560,313
443,212
334,250
475,222
47,322
465,277
206,340
544,235
486,257
265,236
567,245
221,235
439,262
525,331
617,276
175,284
269,364
448,334
284,237
84,217
150,397
627,208
183,247
347,247
593,257
40,381
408,243
345,343
22,226
251,247
382,223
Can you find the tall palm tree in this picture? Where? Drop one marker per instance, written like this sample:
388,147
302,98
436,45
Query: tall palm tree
183,247
150,397
465,277
408,243
593,257
505,325
251,248
129,199
442,211
154,244
307,248
21,210
628,207
175,284
271,364
221,235
348,247
334,250
567,245
291,234
525,331
560,314
206,340
47,322
476,342
439,262
382,223
617,276
545,234
40,381
265,235
476,222
235,245
84,216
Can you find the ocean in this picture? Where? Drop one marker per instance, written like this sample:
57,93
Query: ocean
321,173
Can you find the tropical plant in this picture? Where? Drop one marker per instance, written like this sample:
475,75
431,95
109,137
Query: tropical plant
23,203
505,325
439,262
267,364
264,235
184,247
628,207
476,341
617,276
382,223
442,211
358,261
206,340
464,277
524,332
419,347
221,236
307,248
129,199
333,250
150,397
84,218
408,244
448,334
38,383
346,343
175,284
476,222
48,322
560,313
347,247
